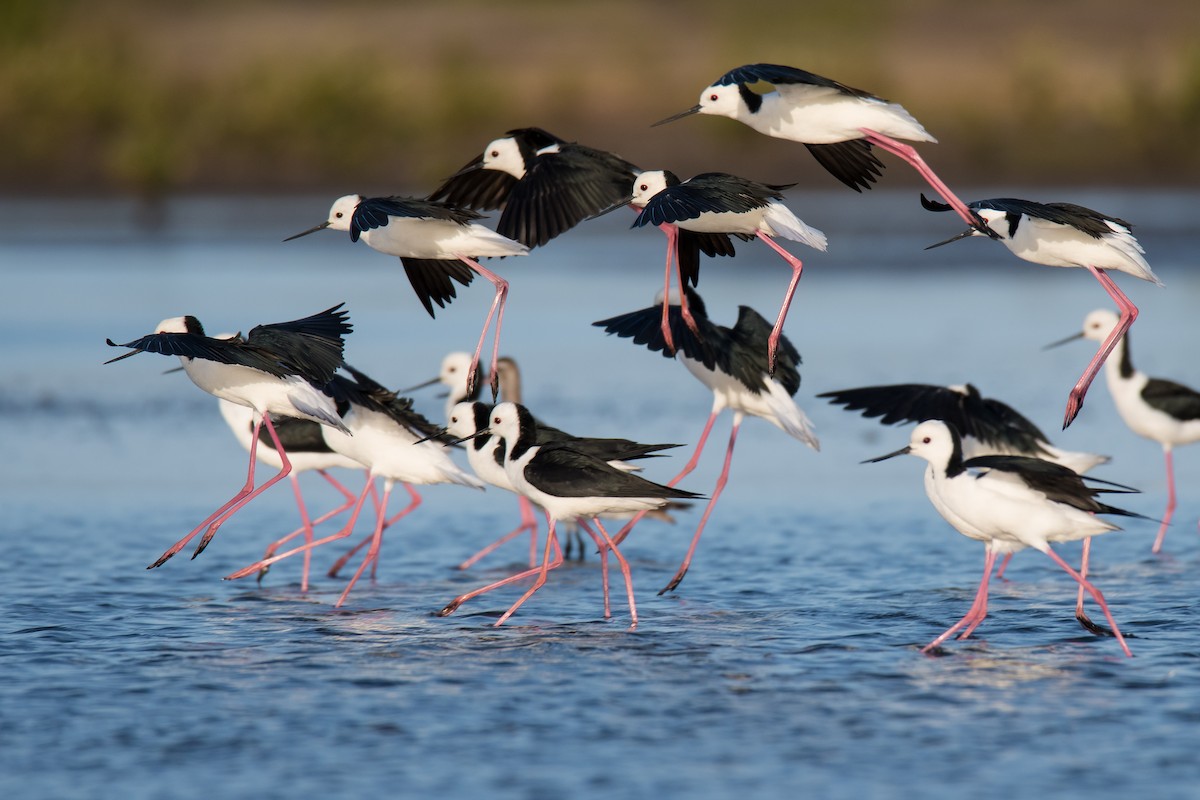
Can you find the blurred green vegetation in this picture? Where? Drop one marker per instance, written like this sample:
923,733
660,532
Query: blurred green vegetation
262,95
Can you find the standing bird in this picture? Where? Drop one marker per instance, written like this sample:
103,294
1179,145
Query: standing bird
837,123
715,203
568,484
987,426
546,185
384,434
732,363
302,440
1009,503
436,243
281,368
1066,235
1161,410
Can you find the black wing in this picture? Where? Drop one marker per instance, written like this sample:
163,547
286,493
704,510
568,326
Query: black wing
561,471
366,391
432,279
690,244
1085,220
1060,484
781,76
373,212
745,357
562,189
473,186
851,162
223,351
709,192
1181,402
295,434
645,328
313,346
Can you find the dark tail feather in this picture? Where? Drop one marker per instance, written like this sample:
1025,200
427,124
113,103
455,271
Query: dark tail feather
851,162
431,280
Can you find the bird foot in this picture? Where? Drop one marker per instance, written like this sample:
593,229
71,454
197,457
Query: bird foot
1074,405
670,587
450,608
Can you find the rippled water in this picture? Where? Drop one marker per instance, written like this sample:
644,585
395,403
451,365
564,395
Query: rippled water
788,660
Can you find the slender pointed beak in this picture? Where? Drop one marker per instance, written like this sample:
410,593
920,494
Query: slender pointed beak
619,204
693,110
963,235
1073,337
467,170
429,382
111,343
903,451
475,435
432,436
320,227
169,371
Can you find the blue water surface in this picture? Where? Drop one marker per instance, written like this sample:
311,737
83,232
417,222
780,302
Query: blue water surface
787,663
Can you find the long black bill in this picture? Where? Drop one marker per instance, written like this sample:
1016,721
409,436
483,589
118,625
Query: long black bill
977,225
903,451
1073,337
434,435
693,110
429,382
619,204
320,227
963,235
475,435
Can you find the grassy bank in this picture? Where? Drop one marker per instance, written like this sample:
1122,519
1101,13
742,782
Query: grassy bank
151,97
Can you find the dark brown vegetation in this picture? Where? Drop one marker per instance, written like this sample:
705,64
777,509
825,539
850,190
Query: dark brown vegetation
152,97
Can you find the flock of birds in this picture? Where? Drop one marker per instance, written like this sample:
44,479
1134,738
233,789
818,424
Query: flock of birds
296,405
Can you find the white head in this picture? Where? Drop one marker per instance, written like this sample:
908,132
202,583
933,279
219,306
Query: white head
932,441
647,184
1099,324
505,421
342,210
461,421
721,101
453,374
504,155
178,325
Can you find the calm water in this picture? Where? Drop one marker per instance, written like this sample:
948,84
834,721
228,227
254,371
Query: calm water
788,660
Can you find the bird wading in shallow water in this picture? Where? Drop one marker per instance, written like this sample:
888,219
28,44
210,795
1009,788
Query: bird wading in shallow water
1009,503
1066,235
1158,409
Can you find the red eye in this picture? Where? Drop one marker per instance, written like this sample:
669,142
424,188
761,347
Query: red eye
713,97
926,440
645,187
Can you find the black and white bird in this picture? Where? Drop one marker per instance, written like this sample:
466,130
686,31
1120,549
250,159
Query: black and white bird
544,184
278,369
1009,503
732,363
1066,235
384,434
307,451
837,123
723,205
568,484
437,244
987,426
1161,410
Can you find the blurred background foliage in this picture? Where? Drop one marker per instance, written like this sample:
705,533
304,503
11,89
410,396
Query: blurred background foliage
148,98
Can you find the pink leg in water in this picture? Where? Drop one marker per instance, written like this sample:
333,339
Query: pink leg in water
1095,593
1129,313
978,608
603,548
551,537
376,539
909,154
1003,567
243,496
496,310
1170,512
307,527
797,267
1083,618
687,469
380,509
341,534
551,541
625,571
528,523
712,502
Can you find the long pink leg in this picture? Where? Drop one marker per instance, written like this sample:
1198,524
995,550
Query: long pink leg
1083,618
1129,313
341,534
1170,512
797,267
243,496
496,310
978,608
376,542
1095,593
712,502
541,579
453,605
687,469
287,468
307,531
528,523
909,154
602,548
624,571
414,501
1003,566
